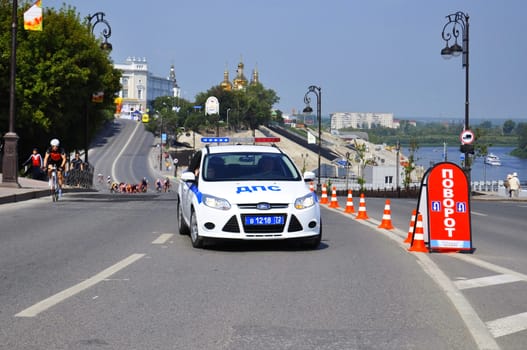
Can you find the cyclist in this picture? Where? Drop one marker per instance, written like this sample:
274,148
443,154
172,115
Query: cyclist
144,185
166,185
158,185
55,156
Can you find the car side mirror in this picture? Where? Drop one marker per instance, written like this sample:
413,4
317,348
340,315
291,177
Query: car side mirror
188,176
309,176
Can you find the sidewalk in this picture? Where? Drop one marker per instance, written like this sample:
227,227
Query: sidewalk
29,189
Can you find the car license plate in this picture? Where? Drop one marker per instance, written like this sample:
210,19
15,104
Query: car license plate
264,220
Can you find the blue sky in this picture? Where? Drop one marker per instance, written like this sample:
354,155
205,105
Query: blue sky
367,56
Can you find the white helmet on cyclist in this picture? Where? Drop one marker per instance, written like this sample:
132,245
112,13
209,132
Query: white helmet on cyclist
54,142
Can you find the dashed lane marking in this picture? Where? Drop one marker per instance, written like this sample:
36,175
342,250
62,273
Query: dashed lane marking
45,304
508,325
163,238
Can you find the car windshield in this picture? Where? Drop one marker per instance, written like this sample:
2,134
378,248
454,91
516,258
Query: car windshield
249,166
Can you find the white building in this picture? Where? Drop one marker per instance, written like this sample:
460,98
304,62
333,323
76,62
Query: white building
357,120
140,88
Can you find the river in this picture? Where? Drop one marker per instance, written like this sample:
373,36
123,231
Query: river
427,156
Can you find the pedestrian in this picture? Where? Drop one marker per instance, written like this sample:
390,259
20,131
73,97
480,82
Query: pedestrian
507,185
77,163
514,184
35,164
76,166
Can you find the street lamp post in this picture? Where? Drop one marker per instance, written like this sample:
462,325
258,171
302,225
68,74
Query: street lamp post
347,169
458,23
161,144
304,159
97,18
10,157
318,93
228,109
397,161
93,20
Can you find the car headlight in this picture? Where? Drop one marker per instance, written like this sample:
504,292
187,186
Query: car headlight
215,202
304,202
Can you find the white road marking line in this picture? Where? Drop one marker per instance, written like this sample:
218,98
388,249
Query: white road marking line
486,281
489,266
45,304
477,328
508,325
478,214
114,178
163,238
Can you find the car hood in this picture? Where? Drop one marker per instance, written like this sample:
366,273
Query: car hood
256,191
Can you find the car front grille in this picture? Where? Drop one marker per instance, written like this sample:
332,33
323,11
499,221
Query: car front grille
263,230
253,206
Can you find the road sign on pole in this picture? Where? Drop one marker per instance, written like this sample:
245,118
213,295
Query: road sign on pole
467,137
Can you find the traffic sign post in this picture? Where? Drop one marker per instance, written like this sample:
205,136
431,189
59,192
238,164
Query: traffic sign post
448,208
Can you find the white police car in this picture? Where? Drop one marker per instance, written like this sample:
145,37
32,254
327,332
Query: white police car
246,192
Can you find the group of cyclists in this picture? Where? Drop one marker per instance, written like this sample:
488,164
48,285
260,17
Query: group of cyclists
162,185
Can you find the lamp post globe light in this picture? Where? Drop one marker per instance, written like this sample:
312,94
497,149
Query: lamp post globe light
318,93
457,24
10,156
94,20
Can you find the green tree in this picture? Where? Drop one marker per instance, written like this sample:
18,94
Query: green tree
521,150
409,166
249,108
508,127
58,70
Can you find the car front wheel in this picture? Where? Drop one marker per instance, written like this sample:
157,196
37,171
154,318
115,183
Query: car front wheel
182,226
197,241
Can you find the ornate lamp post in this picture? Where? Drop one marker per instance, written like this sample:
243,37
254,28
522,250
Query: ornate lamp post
93,20
457,25
97,18
318,93
10,158
397,161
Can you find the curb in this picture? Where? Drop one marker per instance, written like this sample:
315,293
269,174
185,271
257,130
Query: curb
19,197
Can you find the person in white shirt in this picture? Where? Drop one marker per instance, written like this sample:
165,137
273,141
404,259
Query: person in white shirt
514,185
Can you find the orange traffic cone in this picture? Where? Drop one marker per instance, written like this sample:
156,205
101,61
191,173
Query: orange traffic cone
349,204
411,228
386,222
324,197
418,244
362,214
311,187
334,203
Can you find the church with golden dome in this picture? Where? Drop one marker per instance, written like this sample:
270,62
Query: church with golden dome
240,81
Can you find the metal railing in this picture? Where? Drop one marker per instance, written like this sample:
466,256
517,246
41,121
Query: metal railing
80,178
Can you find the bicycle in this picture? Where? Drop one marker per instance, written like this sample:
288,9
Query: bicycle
55,189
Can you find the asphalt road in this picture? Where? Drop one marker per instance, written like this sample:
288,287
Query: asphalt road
101,270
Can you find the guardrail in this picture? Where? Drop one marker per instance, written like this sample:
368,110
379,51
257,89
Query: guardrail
80,178
387,190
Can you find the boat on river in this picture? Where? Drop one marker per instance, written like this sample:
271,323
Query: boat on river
492,159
